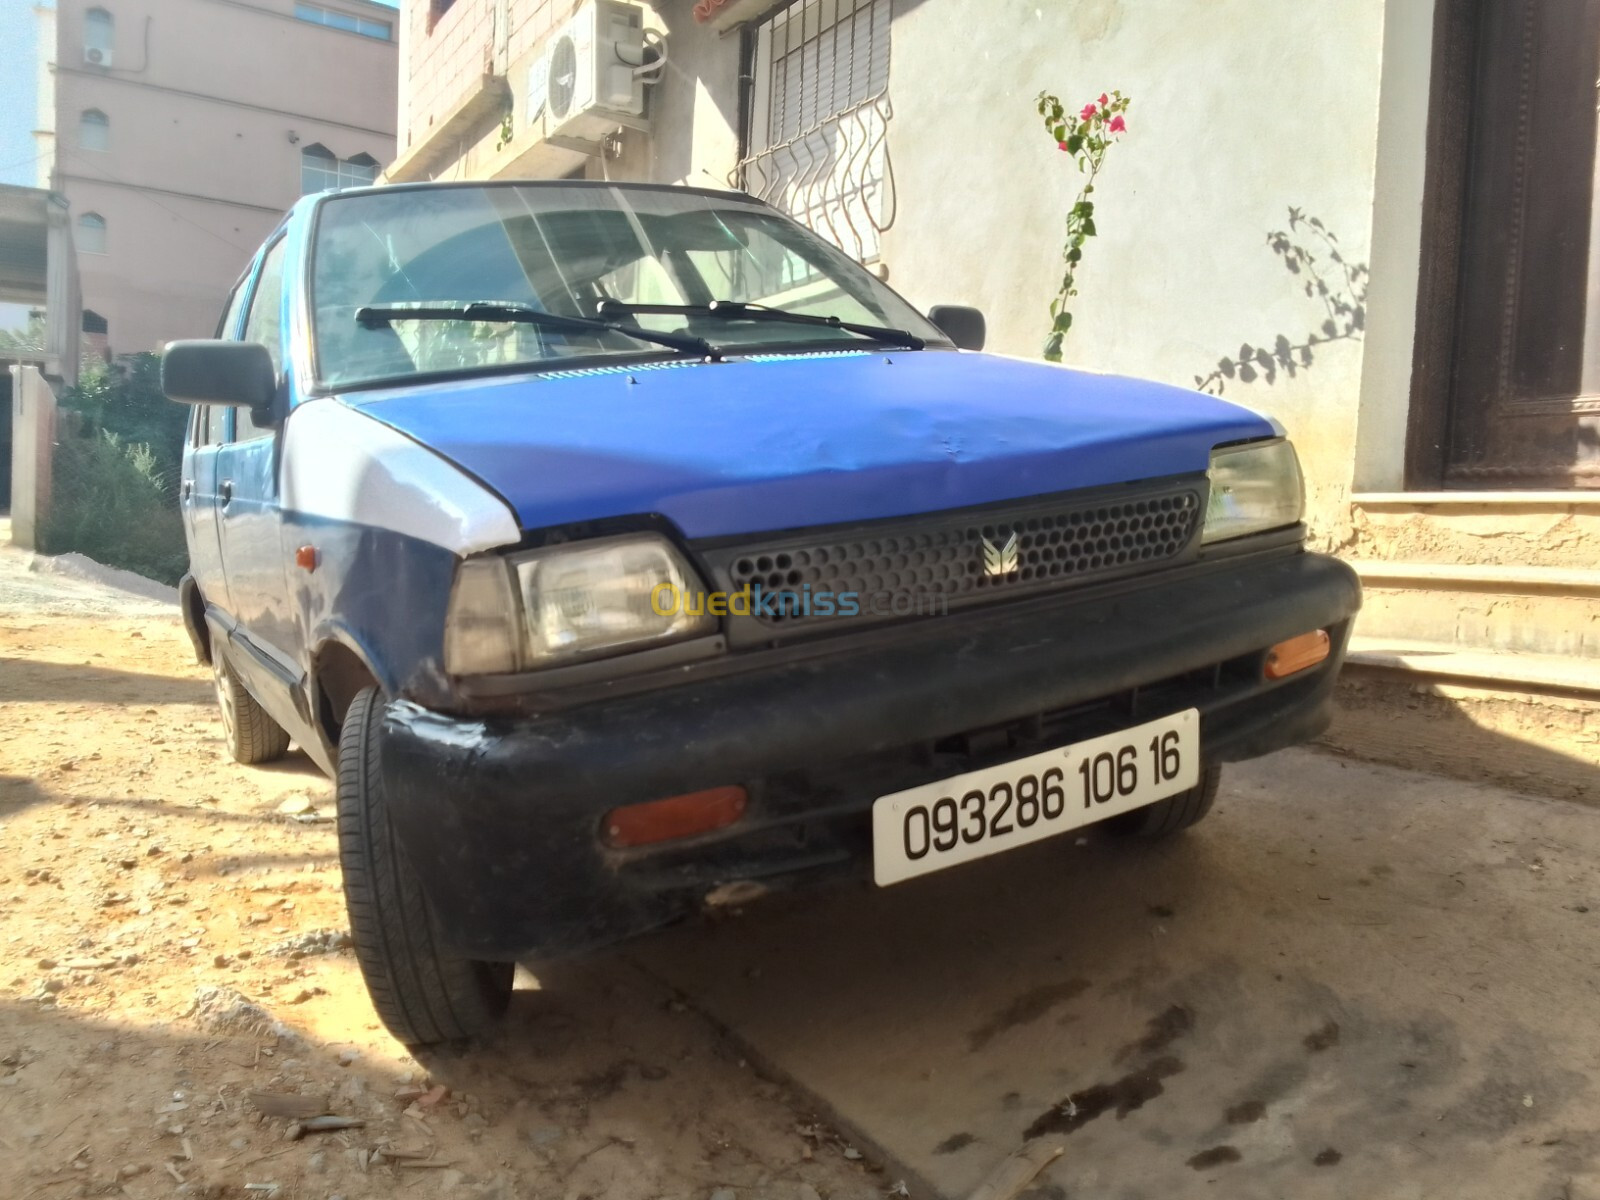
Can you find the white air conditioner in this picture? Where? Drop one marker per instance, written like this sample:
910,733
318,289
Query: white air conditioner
96,57
592,76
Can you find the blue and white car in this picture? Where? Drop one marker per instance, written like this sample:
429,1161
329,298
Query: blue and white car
620,549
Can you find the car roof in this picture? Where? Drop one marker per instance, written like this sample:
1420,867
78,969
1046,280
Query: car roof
621,185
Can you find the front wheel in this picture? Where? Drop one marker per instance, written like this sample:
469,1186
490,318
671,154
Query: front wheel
1175,813
422,991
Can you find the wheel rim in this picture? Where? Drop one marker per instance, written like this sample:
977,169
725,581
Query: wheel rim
224,685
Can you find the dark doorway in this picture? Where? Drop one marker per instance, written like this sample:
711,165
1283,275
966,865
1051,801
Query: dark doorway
1506,390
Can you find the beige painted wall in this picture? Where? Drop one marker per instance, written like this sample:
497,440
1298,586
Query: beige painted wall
1241,108
210,103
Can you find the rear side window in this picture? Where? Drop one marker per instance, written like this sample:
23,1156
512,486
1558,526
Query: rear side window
230,315
264,324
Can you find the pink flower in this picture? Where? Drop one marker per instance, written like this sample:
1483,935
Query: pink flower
1117,124
1062,145
1088,111
1103,100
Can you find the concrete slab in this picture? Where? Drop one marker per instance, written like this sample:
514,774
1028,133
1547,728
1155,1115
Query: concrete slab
1351,981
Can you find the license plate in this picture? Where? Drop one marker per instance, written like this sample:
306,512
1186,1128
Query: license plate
939,825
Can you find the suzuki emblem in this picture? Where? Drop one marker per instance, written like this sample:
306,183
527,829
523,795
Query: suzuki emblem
1000,560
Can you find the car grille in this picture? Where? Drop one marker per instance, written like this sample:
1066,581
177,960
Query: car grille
930,563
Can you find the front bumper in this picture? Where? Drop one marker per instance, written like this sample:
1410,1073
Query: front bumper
501,816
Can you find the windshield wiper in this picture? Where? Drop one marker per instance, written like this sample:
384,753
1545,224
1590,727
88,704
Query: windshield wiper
375,316
735,310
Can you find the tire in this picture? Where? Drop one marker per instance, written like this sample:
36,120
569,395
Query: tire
252,735
1175,813
423,992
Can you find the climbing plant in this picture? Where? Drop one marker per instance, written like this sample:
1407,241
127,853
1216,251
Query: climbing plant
1086,137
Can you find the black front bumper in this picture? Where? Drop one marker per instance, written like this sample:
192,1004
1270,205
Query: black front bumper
501,816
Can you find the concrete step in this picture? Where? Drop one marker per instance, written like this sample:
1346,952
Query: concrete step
1486,608
1502,671
1527,721
1530,529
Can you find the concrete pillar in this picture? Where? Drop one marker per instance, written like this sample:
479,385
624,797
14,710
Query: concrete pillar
33,437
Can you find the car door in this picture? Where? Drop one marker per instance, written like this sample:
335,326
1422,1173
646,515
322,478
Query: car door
249,518
198,500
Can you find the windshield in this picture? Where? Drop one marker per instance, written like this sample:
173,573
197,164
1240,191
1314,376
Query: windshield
565,250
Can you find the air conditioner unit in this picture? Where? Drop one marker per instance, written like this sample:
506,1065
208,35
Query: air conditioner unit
592,81
96,57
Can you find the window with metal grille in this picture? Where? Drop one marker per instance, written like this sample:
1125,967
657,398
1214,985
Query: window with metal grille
820,117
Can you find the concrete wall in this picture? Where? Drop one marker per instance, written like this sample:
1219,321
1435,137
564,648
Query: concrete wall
210,103
444,57
694,110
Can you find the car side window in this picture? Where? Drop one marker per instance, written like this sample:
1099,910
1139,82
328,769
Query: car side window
211,425
264,324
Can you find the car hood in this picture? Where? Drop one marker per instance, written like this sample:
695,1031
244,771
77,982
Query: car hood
784,442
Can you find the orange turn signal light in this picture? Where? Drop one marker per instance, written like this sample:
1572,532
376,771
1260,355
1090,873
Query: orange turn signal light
306,558
1297,654
675,817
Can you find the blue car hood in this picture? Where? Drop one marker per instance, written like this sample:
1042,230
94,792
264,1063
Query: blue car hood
762,444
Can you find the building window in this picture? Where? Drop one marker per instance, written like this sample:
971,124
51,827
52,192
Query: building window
819,123
437,9
320,171
361,170
94,130
383,31
92,233
98,32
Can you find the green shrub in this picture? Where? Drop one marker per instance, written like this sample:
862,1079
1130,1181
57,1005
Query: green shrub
114,485
126,399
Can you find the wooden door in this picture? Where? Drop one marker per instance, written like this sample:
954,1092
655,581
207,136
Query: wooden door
1516,313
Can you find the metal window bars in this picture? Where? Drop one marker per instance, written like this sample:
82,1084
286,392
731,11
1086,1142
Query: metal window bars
819,127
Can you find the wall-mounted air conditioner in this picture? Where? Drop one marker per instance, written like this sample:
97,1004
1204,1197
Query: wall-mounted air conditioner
96,57
592,72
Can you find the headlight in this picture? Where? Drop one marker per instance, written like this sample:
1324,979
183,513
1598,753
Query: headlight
1253,488
570,603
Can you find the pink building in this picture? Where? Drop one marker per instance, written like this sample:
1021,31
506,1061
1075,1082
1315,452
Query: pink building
180,130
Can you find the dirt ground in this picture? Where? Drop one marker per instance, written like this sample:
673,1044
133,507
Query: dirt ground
1351,981
172,941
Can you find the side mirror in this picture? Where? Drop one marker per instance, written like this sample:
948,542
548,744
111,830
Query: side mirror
963,326
234,374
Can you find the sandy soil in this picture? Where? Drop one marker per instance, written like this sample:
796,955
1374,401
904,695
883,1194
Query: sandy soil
171,933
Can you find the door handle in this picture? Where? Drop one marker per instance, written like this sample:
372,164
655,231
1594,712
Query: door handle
225,490
187,490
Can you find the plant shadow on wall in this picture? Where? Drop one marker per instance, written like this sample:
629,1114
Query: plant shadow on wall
1309,250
